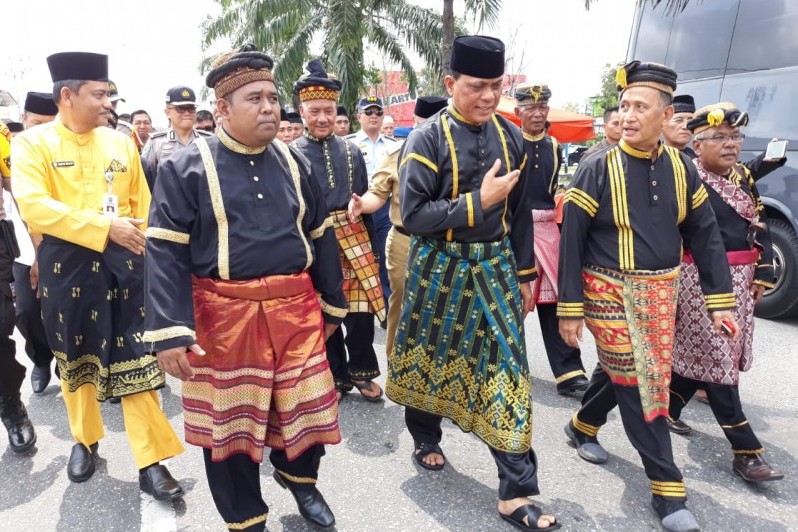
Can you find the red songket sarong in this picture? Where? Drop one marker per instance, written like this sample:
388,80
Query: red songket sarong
264,381
631,315
547,251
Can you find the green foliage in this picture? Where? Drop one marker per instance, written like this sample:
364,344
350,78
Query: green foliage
608,97
290,29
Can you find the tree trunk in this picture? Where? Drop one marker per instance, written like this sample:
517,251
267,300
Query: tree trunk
448,39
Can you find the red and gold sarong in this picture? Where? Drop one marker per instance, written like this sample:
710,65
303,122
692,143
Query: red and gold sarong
547,251
631,315
700,352
264,381
361,272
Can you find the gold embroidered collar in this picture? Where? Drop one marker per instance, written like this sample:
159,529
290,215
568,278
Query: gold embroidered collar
534,138
640,154
233,145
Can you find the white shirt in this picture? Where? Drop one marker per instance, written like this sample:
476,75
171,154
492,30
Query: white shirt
373,151
26,252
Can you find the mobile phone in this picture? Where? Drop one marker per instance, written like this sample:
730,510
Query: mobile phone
727,328
777,149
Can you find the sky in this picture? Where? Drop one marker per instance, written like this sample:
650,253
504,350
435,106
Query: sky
156,44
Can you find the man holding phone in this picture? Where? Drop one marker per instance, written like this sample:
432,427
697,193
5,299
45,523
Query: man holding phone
701,359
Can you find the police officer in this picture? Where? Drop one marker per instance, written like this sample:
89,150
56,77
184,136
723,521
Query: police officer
181,110
115,122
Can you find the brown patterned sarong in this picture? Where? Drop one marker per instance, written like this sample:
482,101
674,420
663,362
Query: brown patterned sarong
699,352
547,251
361,272
631,315
264,381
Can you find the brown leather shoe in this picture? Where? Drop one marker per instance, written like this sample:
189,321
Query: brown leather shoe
754,468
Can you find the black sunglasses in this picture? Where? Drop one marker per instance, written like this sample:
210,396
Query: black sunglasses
369,112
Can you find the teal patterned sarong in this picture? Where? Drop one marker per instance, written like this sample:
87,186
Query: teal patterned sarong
459,350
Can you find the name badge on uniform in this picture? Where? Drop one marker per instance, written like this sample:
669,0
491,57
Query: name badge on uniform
110,200
110,205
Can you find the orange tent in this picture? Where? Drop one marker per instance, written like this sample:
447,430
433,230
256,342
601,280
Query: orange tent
565,126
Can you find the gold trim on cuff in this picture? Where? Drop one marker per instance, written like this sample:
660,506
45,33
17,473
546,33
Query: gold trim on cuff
248,523
296,480
331,310
569,375
167,333
167,234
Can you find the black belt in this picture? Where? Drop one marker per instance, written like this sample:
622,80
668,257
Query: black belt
401,231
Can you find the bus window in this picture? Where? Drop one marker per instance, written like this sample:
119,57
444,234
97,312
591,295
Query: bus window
765,36
700,39
650,42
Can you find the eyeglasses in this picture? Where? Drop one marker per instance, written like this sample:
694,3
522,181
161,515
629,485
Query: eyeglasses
678,121
209,129
184,109
370,112
723,139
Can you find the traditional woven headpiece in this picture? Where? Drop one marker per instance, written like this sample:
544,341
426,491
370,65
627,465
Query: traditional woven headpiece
237,68
316,84
716,114
639,74
527,94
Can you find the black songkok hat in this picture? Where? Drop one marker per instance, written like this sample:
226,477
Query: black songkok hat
40,103
283,115
234,69
639,74
83,66
426,106
16,127
528,93
684,103
478,56
317,84
716,114
294,117
342,111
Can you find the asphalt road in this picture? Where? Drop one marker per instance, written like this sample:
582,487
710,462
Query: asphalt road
371,483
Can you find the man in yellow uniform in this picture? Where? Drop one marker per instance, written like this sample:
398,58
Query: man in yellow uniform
81,185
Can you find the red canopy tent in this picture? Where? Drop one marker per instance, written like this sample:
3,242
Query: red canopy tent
565,126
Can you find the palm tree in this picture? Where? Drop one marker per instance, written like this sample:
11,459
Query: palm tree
485,13
292,30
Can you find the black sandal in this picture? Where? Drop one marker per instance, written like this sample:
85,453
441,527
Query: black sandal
366,385
425,449
532,513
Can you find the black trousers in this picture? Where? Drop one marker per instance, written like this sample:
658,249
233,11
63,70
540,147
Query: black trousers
29,317
724,400
382,225
565,361
235,484
518,473
12,373
651,439
359,343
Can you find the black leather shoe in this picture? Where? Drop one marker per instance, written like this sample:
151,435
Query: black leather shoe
21,435
39,378
159,482
576,384
310,502
115,400
82,462
677,426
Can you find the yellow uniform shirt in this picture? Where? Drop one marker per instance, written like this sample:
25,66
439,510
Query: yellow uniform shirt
5,151
60,179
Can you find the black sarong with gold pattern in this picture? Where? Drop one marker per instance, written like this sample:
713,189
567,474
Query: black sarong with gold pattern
460,350
93,309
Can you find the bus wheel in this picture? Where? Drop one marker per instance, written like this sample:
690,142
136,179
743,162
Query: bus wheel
781,301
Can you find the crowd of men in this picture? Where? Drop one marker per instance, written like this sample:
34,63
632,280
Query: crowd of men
258,232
